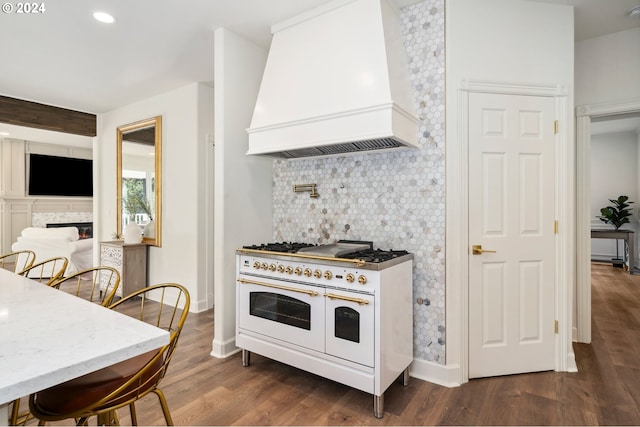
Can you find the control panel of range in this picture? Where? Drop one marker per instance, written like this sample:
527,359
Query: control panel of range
317,273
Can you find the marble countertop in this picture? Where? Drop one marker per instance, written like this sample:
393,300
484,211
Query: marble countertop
48,336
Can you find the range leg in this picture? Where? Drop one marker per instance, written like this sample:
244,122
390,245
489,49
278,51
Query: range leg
246,357
378,406
405,377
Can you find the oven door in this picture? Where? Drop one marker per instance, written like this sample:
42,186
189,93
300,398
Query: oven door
350,326
285,311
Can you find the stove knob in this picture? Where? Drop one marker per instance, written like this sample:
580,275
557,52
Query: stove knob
280,268
317,274
272,267
256,265
298,271
328,275
289,270
264,266
350,278
362,280
307,272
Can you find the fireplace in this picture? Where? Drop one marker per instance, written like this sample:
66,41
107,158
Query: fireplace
85,229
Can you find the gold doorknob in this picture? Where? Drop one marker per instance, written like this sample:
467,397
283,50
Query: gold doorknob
477,250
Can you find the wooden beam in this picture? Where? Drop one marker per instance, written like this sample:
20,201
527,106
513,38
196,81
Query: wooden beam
31,114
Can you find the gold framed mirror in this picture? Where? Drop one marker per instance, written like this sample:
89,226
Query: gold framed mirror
139,178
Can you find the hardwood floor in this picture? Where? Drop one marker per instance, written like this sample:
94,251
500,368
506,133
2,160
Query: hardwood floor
203,390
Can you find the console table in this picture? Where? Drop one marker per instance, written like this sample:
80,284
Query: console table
131,262
627,235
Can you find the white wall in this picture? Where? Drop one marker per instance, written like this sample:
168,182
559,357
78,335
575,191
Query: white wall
614,172
614,168
606,71
206,173
607,68
243,211
511,41
178,260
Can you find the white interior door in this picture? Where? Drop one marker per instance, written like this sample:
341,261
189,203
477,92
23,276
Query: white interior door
511,216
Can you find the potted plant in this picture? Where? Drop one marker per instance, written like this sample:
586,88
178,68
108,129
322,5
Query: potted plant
617,214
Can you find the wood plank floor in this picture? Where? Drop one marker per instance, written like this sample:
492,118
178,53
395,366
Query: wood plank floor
202,390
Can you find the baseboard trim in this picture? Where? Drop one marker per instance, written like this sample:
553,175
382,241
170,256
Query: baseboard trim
224,349
444,375
202,305
449,375
572,366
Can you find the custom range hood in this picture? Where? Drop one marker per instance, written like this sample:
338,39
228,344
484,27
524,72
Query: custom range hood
336,81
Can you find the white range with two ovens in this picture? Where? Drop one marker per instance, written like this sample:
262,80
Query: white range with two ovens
342,311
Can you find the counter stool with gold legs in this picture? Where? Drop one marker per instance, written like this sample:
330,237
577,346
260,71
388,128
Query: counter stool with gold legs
96,284
102,392
18,260
47,271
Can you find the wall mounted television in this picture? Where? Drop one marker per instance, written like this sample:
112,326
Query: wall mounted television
59,176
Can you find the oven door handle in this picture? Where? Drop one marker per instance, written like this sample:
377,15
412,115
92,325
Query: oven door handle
284,288
351,299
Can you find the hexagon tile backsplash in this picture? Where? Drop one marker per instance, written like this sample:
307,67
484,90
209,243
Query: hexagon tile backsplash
395,199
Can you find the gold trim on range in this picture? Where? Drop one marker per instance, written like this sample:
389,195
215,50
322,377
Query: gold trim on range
357,262
284,288
351,299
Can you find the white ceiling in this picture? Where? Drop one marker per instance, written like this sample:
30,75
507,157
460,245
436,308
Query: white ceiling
64,57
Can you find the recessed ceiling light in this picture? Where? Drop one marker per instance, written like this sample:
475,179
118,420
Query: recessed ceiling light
4,133
104,17
635,11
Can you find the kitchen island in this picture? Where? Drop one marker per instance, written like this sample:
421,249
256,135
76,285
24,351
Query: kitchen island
48,337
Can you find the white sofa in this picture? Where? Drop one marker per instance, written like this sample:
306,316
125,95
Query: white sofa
55,242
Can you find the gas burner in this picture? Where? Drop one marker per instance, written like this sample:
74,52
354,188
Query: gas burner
285,247
375,255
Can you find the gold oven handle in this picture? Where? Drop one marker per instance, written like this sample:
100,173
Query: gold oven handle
358,300
284,288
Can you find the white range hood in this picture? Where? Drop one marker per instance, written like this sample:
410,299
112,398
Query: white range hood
336,81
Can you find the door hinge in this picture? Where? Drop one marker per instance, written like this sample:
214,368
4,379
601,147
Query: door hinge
555,227
555,327
555,127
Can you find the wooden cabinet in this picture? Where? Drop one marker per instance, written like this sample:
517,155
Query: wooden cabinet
131,262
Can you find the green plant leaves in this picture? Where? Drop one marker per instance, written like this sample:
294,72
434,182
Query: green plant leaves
618,213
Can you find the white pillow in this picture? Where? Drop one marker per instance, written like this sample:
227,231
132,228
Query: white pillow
70,233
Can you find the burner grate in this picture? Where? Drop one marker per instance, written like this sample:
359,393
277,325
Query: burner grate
284,247
375,255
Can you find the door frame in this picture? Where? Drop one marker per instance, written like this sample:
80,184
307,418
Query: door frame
457,217
584,116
